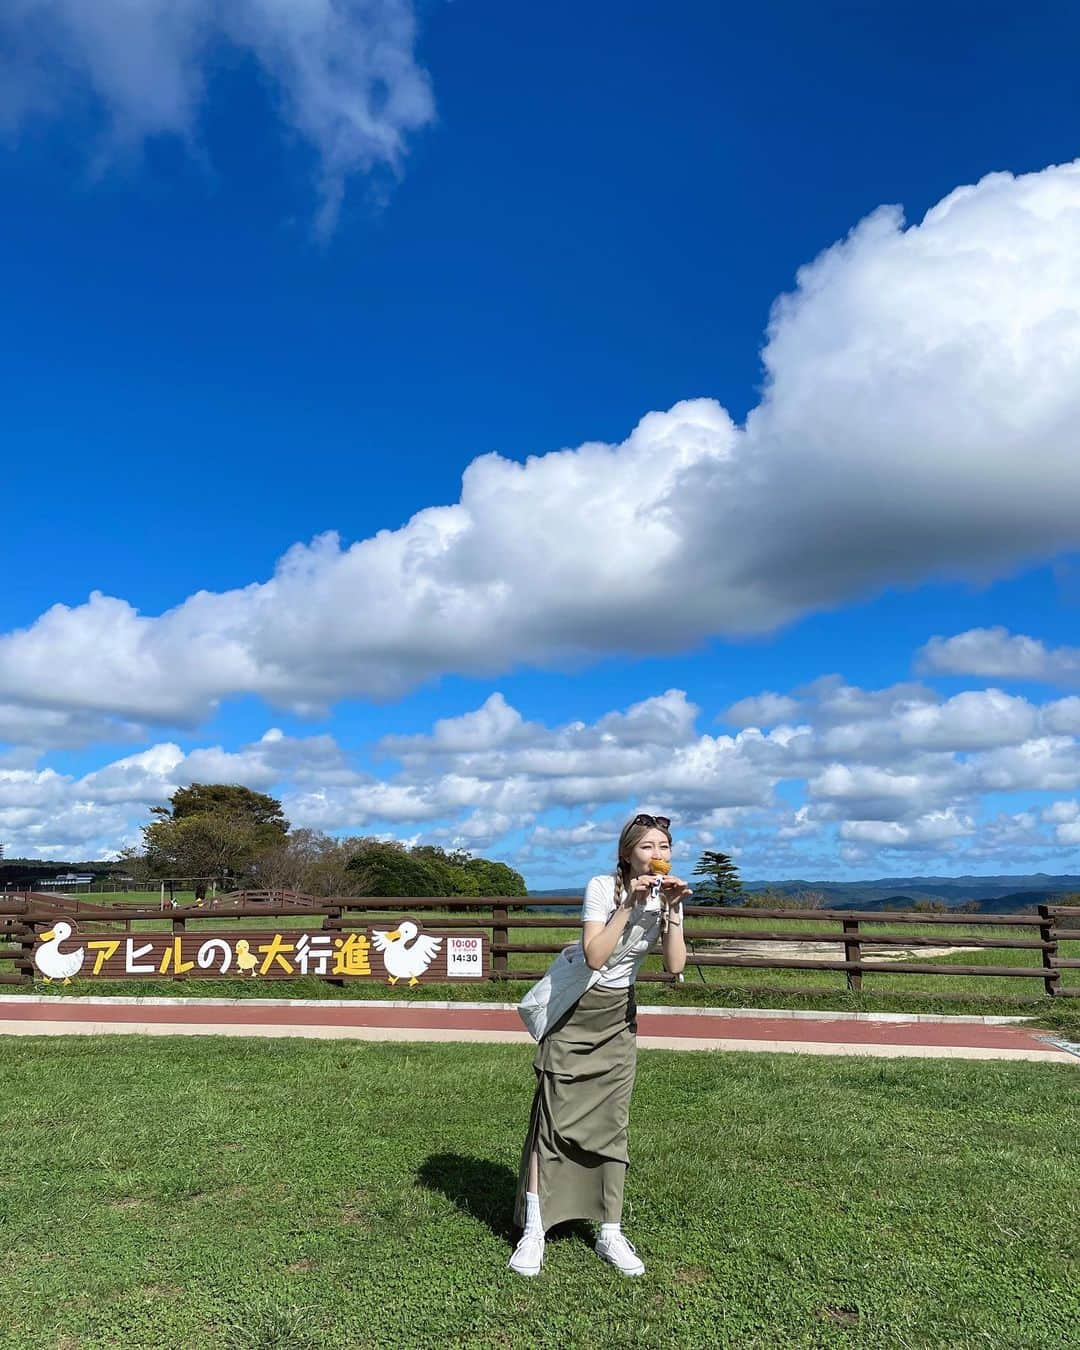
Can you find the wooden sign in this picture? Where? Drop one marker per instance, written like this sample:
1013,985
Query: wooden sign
398,952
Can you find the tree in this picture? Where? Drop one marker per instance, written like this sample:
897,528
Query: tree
493,878
388,869
311,862
225,799
770,899
722,886
212,830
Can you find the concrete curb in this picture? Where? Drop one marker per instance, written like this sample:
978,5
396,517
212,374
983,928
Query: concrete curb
653,1010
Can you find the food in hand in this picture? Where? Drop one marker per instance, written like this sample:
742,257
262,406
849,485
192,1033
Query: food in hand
659,867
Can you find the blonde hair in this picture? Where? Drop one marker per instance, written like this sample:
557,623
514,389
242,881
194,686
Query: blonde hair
632,831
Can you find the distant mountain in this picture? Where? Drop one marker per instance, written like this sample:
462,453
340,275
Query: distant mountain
995,894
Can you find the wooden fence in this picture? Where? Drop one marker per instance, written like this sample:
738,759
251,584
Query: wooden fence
708,930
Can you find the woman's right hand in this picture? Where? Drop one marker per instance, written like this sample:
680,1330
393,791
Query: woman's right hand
639,890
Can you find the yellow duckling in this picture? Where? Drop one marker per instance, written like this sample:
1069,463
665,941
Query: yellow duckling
244,958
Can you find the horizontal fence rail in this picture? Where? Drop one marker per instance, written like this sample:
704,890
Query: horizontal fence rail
709,931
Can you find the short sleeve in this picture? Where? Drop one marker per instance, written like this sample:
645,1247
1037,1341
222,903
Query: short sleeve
599,900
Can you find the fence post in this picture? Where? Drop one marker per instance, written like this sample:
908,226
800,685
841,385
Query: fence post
852,952
178,926
21,933
1048,934
332,919
500,936
27,941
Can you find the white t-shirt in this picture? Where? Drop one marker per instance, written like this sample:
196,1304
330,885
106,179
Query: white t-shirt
642,929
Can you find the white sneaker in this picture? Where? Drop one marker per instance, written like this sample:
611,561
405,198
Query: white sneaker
528,1255
619,1250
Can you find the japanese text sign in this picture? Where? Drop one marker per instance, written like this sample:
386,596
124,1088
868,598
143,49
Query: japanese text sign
396,951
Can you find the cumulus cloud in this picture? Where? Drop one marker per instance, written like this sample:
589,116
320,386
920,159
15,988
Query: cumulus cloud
1065,817
1062,812
995,653
343,74
908,365
54,728
761,710
45,813
935,827
917,776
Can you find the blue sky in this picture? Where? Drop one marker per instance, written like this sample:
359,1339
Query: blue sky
809,582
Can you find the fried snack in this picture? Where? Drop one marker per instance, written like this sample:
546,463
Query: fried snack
659,867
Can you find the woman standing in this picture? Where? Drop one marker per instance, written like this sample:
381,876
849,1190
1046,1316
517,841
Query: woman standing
574,1162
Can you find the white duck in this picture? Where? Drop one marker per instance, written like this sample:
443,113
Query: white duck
54,964
402,961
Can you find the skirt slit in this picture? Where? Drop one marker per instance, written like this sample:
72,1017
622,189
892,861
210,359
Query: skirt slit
578,1125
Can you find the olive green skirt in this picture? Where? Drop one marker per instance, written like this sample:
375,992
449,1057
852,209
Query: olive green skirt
585,1069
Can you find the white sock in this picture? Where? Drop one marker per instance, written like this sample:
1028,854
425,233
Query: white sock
533,1222
610,1230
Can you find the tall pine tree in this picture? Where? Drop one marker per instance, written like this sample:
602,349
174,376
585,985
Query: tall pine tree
722,885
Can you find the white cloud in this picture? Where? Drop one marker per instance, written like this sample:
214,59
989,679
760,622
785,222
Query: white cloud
800,824
937,828
1045,763
1007,839
761,710
491,726
976,720
342,75
46,813
555,797
996,653
55,728
1065,817
908,365
1061,812
884,791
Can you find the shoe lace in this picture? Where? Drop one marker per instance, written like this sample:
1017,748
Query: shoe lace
523,1250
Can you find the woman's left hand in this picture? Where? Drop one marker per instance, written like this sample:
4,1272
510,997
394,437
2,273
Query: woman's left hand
674,889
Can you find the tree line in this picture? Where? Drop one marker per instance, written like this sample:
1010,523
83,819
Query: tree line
237,837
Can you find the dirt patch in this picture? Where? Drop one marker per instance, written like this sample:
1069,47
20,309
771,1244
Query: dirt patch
847,1317
158,1291
825,951
692,1275
300,1267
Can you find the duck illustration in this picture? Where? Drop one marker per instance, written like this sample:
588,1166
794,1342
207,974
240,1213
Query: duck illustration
244,958
401,960
54,964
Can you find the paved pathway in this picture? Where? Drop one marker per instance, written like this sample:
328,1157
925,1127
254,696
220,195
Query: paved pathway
658,1028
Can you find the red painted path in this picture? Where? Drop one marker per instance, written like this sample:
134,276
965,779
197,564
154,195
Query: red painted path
667,1028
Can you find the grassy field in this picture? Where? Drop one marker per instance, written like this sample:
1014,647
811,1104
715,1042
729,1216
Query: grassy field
705,985
294,1194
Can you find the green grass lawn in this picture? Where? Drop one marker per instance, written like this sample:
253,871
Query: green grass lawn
295,1194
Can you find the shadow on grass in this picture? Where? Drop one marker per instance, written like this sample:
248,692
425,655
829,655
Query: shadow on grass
486,1191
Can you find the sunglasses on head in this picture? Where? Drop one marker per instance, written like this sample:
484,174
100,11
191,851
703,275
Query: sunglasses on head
661,822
